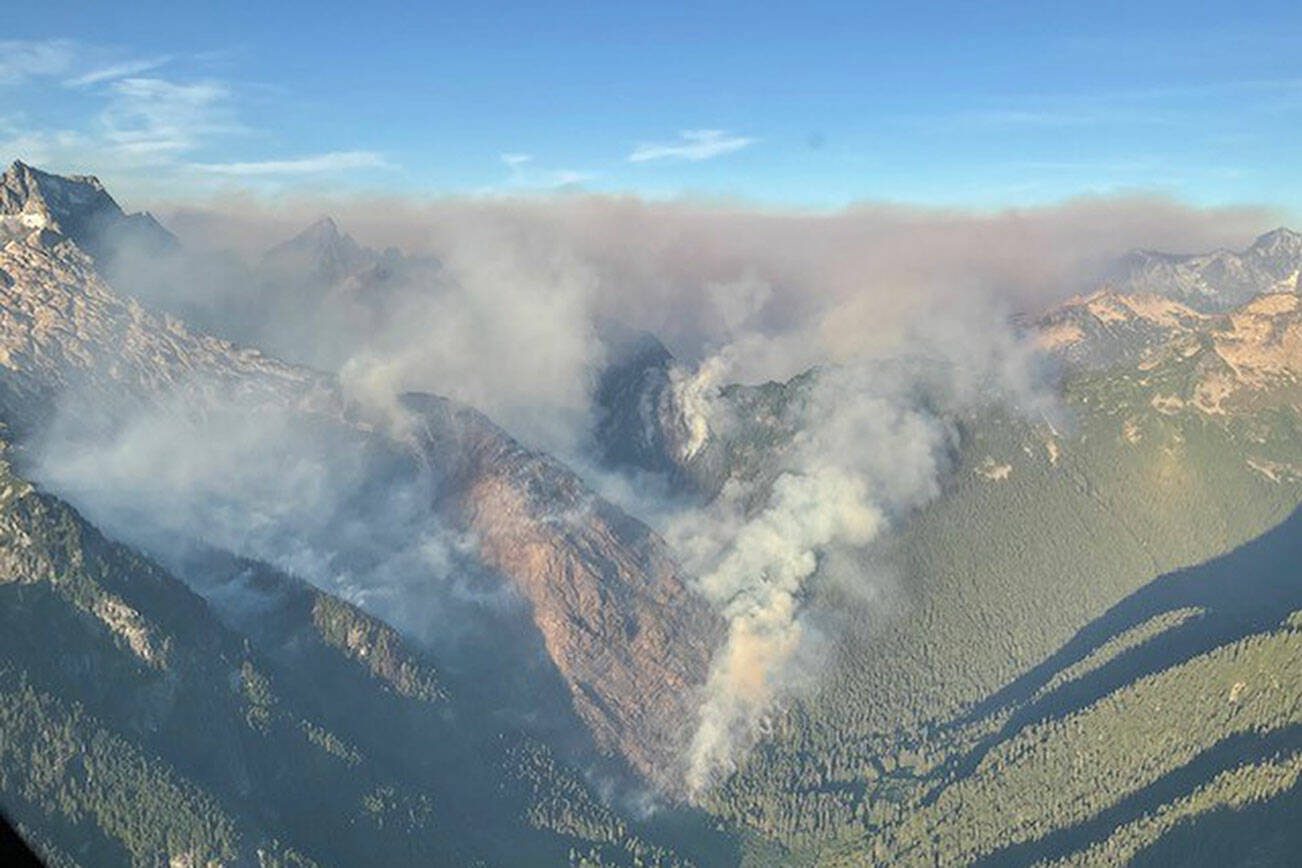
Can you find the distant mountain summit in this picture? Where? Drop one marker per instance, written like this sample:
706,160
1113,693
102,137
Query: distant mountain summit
321,252
1220,280
76,207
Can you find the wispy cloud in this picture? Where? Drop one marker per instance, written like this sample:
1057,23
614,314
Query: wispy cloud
137,122
117,70
692,145
335,161
156,118
526,174
49,148
568,177
22,59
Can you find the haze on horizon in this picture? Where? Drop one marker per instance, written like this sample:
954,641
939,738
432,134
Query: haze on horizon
981,108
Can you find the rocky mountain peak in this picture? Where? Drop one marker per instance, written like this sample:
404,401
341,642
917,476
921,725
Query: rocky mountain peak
325,230
321,251
40,200
1280,244
77,207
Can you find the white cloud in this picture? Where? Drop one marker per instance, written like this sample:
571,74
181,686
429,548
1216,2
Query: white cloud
152,118
21,60
46,148
693,145
526,174
568,177
335,161
117,70
142,124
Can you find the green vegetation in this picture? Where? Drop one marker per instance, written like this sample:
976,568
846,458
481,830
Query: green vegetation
1059,774
969,633
136,727
61,765
361,637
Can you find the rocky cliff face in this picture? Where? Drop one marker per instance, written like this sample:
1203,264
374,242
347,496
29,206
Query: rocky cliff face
77,207
634,402
1108,327
691,433
62,327
1243,359
629,636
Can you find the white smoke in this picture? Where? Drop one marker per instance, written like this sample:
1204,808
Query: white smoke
320,500
507,323
865,455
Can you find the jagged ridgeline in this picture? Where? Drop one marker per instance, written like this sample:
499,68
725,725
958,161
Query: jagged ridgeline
1093,653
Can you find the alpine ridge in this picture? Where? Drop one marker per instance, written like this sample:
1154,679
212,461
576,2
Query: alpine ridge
1218,280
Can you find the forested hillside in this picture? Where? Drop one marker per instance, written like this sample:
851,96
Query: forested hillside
972,674
136,723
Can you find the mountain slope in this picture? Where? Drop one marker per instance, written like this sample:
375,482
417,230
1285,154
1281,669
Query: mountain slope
1032,667
1184,448
602,590
320,725
632,640
1179,700
653,417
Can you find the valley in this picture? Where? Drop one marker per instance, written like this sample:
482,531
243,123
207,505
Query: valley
254,616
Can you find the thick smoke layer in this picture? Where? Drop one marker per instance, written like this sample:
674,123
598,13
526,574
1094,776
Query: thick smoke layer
507,322
907,312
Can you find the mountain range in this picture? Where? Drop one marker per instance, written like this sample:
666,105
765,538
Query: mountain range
1219,280
1093,656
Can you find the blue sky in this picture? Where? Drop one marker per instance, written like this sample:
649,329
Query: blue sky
973,105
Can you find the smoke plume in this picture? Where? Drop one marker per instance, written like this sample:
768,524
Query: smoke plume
496,303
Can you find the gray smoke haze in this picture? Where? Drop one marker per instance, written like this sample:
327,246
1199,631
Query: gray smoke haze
497,305
506,324
208,468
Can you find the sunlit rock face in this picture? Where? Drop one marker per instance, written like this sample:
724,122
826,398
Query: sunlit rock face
78,208
631,639
1243,359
